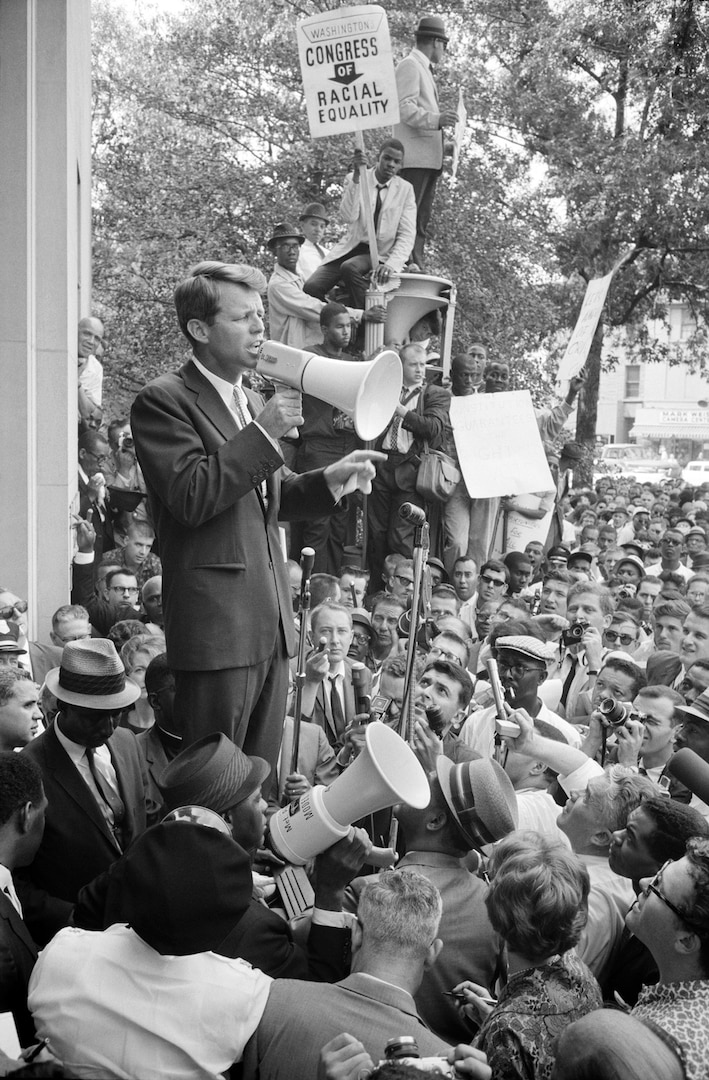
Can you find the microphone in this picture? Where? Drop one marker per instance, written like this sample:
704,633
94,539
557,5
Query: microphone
433,715
360,685
412,513
692,771
307,558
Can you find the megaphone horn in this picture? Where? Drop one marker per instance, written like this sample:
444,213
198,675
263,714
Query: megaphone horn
368,392
387,771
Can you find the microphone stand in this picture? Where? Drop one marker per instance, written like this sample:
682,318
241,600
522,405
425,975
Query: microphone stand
499,696
307,557
420,552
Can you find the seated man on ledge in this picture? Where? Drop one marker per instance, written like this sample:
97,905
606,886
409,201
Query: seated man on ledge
394,211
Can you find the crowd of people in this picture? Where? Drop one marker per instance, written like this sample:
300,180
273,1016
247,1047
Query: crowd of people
545,916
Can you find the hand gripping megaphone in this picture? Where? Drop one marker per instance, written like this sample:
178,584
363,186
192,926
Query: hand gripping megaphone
368,392
386,772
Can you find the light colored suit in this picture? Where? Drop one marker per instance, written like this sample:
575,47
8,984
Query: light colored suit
300,1017
419,129
396,228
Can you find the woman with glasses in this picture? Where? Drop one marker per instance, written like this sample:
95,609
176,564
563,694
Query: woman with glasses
671,917
537,902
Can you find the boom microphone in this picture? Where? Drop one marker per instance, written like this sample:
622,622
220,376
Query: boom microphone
692,771
361,683
412,513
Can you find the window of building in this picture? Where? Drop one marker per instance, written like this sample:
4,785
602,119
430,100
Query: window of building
632,381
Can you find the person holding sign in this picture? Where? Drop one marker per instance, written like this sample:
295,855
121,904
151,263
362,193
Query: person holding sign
422,121
394,212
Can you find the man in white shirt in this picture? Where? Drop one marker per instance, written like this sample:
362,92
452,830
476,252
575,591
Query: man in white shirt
394,214
522,662
671,548
313,221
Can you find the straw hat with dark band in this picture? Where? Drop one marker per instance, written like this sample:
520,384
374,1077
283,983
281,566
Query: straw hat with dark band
481,797
91,675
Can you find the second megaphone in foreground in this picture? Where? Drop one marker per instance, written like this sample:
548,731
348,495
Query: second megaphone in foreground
386,772
368,392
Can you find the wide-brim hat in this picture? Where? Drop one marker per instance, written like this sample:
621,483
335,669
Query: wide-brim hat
284,231
481,798
361,617
9,639
315,210
699,707
635,561
432,26
184,887
92,675
212,772
572,451
700,561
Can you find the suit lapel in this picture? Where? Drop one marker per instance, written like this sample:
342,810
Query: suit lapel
16,925
208,400
67,776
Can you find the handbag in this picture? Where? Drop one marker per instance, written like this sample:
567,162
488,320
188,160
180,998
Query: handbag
437,475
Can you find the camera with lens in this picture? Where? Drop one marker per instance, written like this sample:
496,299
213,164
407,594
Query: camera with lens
626,592
573,635
125,441
615,713
405,1050
379,709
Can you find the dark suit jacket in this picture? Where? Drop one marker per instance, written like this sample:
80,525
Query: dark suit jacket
18,954
301,1017
156,762
225,590
43,658
77,844
428,422
663,667
322,713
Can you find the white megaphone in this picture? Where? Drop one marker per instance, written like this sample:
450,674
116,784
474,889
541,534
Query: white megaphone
368,392
386,771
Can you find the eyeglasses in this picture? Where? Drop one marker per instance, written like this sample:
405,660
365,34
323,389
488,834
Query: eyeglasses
517,670
492,581
405,581
654,887
443,655
671,540
20,607
289,247
360,639
132,590
614,637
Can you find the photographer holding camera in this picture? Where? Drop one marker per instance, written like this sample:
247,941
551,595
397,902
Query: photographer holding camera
589,610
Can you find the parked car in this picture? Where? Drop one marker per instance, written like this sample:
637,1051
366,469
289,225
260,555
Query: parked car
642,462
696,473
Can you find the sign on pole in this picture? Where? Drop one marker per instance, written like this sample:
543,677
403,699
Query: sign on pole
498,444
348,70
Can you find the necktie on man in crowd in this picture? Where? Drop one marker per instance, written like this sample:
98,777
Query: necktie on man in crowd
338,713
568,681
111,804
405,396
244,415
378,204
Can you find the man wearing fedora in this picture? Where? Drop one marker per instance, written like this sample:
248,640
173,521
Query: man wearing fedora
209,452
94,778
422,120
472,804
313,221
293,315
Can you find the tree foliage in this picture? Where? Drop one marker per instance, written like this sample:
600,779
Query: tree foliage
587,140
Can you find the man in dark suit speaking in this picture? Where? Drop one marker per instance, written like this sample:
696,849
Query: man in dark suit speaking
216,487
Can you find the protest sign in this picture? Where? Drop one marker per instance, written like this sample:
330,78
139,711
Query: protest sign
348,70
518,530
498,444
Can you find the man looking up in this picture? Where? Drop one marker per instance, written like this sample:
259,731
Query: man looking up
394,213
209,453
